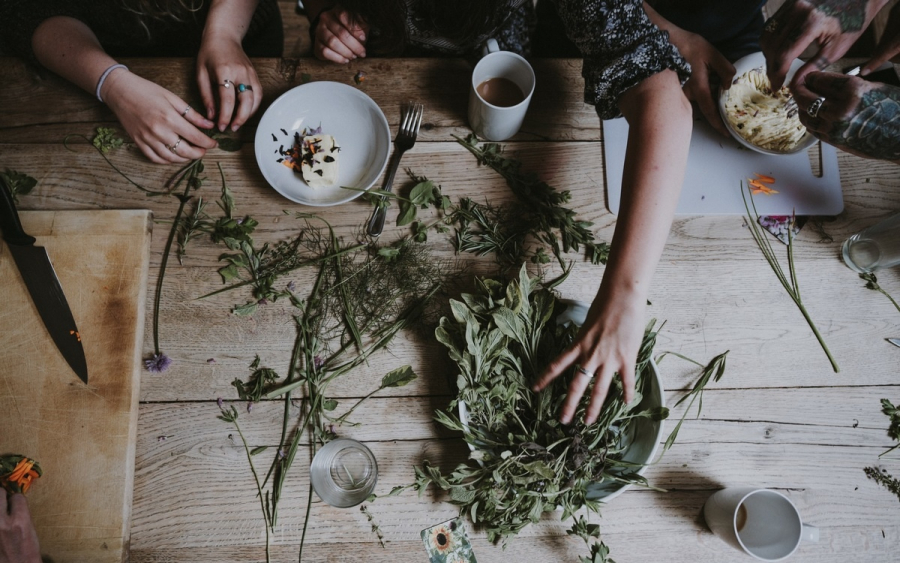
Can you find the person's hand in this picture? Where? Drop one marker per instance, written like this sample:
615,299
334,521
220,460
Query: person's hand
222,69
162,125
834,25
606,345
338,37
708,68
18,539
860,117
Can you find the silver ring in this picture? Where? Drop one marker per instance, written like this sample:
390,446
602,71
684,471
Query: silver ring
771,26
581,370
813,109
174,148
186,110
227,83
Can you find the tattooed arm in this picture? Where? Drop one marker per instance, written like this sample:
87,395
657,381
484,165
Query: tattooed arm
860,117
834,25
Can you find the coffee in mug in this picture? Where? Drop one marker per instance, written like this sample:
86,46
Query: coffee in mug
500,92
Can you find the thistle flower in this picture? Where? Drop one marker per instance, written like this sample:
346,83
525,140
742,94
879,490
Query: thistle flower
157,363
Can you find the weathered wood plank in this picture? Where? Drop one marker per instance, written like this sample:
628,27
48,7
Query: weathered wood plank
38,107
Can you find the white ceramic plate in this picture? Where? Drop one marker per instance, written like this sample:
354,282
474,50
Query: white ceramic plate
350,116
742,65
645,435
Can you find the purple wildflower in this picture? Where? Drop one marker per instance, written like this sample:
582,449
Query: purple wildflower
157,363
211,361
249,406
281,454
291,286
318,362
220,402
263,301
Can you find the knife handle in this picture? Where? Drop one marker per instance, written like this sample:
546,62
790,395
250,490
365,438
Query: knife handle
9,220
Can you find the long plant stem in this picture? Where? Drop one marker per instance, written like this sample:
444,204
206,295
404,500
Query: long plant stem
258,486
183,199
790,284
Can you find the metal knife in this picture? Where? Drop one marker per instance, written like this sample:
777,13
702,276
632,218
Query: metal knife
43,285
894,341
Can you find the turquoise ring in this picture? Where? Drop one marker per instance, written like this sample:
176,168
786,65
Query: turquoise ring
243,88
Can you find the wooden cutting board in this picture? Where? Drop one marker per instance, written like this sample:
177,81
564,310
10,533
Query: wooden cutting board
82,435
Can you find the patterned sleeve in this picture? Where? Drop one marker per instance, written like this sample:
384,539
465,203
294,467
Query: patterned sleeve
621,47
20,18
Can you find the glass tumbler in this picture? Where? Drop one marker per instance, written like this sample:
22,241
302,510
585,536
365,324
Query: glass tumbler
343,473
875,247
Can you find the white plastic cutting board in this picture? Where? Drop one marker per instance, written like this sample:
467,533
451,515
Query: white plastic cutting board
717,166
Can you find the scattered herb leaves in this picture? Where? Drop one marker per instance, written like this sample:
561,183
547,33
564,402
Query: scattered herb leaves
17,183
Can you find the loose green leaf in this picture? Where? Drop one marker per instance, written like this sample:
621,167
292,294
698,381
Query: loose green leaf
398,377
106,139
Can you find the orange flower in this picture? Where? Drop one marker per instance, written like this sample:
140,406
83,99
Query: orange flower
758,184
22,476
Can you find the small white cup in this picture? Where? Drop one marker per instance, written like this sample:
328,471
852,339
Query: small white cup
491,122
760,522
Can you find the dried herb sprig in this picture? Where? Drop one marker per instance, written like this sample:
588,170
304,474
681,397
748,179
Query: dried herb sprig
376,529
230,415
543,204
17,183
872,283
789,280
713,371
885,479
893,432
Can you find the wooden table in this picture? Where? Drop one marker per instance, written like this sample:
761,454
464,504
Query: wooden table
780,418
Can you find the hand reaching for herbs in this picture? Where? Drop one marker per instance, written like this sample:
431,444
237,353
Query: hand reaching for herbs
606,347
18,538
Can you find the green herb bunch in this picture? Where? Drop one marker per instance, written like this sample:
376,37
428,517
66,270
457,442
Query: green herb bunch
524,461
542,207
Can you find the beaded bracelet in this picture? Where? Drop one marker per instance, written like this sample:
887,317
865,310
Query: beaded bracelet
103,77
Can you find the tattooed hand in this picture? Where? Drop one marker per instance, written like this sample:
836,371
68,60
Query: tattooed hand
860,117
833,25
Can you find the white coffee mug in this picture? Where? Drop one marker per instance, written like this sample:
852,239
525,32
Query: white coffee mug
761,522
489,121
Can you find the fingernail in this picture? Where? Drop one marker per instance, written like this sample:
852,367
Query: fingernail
346,61
362,36
235,127
222,128
210,112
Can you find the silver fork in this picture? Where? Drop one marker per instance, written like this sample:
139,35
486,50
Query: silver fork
410,122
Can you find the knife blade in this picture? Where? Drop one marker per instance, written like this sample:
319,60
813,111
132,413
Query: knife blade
43,285
894,341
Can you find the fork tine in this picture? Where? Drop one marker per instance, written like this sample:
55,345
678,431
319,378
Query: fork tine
420,110
406,120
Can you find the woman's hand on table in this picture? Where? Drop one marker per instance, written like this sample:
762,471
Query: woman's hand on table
162,125
859,117
18,539
225,74
833,25
338,37
606,346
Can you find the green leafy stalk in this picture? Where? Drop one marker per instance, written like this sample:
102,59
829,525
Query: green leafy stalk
789,282
231,416
872,283
714,371
893,413
193,183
